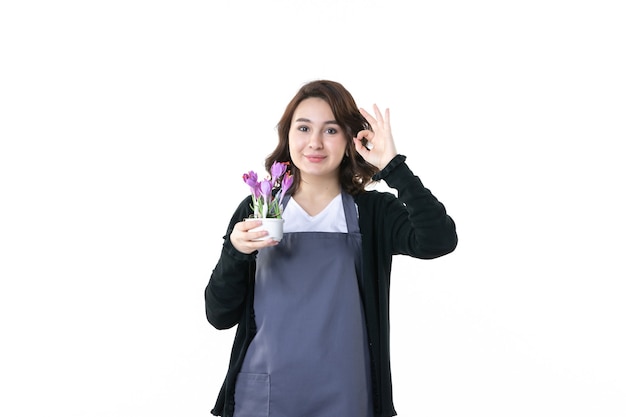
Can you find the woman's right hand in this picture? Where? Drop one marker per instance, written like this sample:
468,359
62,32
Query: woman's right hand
244,240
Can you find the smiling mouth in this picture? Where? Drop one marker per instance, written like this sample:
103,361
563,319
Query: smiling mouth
314,158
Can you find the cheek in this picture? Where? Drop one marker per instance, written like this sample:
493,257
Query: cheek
292,147
341,145
293,154
296,141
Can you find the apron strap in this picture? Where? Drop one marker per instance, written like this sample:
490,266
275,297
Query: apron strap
350,210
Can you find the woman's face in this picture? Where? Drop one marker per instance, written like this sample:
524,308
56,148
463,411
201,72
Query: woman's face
317,143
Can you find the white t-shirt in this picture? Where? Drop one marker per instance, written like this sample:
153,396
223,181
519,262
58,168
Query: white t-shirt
331,219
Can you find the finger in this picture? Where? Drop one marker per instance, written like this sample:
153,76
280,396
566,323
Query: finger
249,224
269,242
370,119
365,134
252,236
379,115
247,242
260,244
383,120
365,138
387,120
360,147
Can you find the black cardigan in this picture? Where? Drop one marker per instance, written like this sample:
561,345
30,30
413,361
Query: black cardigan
414,223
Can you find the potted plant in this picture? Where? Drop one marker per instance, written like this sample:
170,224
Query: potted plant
267,198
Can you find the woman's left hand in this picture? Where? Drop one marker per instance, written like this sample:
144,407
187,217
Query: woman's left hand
376,146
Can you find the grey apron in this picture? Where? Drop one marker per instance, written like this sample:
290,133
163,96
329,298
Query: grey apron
309,357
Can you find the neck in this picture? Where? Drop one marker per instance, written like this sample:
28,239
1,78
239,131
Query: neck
313,197
319,188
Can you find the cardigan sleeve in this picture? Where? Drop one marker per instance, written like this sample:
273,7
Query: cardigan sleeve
225,294
417,222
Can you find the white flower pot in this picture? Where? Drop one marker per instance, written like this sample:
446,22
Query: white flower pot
273,226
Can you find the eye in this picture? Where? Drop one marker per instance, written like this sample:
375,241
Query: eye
331,131
303,128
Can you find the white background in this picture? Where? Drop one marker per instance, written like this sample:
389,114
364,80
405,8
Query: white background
125,127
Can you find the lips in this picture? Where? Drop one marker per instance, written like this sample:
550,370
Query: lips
315,158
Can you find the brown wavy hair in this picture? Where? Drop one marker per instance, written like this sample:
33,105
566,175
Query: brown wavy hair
354,172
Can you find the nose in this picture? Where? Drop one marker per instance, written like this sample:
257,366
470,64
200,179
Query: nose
315,140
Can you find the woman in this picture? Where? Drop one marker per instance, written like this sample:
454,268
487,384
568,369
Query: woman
313,309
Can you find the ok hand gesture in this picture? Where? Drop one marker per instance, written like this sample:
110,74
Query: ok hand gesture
376,146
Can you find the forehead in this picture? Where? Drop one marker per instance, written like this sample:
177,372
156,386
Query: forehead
314,109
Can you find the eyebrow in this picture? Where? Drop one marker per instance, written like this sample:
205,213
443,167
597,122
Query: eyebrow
328,122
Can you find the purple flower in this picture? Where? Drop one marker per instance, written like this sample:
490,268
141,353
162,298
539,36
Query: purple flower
277,170
265,203
266,193
287,181
266,189
251,179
